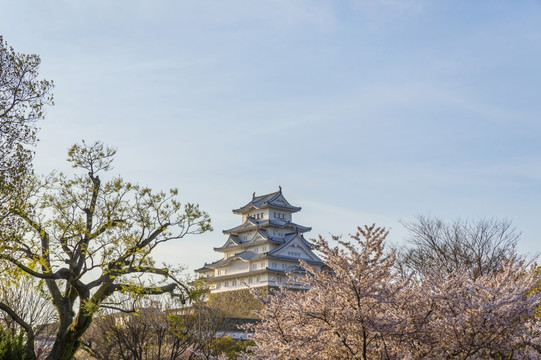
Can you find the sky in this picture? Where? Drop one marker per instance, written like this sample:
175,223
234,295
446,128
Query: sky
363,111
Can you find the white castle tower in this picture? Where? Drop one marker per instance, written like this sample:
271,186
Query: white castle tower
261,250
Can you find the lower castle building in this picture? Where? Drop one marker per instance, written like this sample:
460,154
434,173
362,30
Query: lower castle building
260,251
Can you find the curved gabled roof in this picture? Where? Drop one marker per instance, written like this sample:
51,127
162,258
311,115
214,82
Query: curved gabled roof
275,199
284,257
262,237
252,223
283,223
244,256
249,224
232,241
208,266
288,240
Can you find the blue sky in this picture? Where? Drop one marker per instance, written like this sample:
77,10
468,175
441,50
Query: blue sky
364,111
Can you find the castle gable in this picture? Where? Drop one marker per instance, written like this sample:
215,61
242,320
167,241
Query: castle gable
295,247
275,199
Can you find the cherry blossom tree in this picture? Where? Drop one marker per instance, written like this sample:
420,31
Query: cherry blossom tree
364,309
490,317
347,312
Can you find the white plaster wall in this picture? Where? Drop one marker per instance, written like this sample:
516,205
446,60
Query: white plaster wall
245,236
238,283
256,212
287,216
237,267
259,249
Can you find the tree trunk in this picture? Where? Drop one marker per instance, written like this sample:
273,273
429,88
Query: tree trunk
68,342
29,348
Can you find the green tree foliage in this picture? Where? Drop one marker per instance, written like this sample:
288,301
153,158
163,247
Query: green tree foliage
88,239
241,304
11,347
226,345
22,98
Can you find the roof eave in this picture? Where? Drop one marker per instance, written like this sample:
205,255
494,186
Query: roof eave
292,209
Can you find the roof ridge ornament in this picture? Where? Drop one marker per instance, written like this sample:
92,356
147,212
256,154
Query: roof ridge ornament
253,196
280,188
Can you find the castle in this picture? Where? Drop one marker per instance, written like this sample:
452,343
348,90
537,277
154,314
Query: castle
260,251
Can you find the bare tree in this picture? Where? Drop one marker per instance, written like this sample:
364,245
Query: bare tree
209,321
160,330
476,248
27,298
154,331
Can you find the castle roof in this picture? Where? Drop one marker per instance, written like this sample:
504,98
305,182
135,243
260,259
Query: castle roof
275,253
275,199
252,223
261,237
244,256
249,255
293,258
289,239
